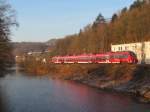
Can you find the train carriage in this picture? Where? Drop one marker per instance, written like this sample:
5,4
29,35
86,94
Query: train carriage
102,58
122,57
110,57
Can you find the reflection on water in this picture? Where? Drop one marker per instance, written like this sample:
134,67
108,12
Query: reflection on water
21,93
2,104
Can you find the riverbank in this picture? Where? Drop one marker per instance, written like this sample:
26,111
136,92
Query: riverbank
128,78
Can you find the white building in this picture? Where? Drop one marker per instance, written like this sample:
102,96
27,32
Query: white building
141,49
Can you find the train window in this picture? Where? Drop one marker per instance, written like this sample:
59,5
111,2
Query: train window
132,54
107,57
119,56
99,58
69,59
123,56
93,58
113,56
60,59
53,59
102,58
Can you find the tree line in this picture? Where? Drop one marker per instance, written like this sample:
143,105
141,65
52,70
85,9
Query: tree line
128,25
7,19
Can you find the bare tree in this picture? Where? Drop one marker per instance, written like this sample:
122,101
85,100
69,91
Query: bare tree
7,19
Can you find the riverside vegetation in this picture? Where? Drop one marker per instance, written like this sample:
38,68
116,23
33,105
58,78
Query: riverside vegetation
7,20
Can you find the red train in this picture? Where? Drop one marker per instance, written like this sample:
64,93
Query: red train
110,57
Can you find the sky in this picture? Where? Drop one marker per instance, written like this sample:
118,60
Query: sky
42,20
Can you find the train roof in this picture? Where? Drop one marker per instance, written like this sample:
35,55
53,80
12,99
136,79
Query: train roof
121,52
101,54
90,55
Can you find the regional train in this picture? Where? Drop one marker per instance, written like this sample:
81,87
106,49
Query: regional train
109,57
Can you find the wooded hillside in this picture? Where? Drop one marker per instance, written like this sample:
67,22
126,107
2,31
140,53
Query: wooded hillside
129,25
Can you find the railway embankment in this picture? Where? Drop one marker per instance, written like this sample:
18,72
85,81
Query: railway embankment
128,78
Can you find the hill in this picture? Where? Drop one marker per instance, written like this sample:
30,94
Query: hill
20,48
128,25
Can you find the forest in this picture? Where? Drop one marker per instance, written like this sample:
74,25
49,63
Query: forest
130,24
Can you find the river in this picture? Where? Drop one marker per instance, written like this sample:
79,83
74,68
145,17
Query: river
21,92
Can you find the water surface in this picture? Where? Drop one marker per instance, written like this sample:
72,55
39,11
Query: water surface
20,92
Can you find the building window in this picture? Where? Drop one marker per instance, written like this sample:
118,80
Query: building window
126,48
134,47
114,48
120,48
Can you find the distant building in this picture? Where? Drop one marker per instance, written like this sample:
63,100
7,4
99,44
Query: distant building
19,59
141,49
34,53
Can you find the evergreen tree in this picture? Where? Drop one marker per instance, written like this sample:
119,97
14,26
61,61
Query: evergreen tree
99,20
137,4
114,18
